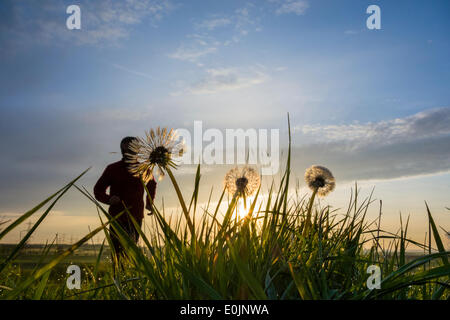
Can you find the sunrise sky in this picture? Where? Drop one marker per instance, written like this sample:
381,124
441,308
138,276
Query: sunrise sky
371,105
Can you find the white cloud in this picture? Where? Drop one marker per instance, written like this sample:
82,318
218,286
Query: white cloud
226,79
403,147
198,47
191,54
297,7
212,24
426,124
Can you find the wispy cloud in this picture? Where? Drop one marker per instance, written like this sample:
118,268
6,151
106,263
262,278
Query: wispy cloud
226,79
235,26
241,21
137,73
244,21
195,47
211,24
192,53
297,7
102,22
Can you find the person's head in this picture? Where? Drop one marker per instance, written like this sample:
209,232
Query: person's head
124,145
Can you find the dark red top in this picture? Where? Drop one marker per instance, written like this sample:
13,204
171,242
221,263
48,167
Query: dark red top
125,186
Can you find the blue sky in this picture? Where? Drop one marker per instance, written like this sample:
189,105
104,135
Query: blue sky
372,105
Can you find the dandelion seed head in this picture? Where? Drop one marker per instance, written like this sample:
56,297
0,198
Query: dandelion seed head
151,155
242,182
160,156
321,179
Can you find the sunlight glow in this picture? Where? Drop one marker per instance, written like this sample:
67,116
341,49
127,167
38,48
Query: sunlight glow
242,211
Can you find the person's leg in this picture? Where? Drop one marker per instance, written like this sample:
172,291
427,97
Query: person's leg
117,247
131,230
116,250
128,226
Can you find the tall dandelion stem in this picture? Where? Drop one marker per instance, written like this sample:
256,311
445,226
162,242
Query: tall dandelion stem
183,204
321,181
226,219
309,213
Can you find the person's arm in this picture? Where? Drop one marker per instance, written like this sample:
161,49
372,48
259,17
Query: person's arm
151,187
100,187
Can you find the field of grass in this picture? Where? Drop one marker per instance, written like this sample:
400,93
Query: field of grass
284,248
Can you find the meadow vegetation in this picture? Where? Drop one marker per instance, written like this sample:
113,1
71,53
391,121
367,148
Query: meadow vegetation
286,247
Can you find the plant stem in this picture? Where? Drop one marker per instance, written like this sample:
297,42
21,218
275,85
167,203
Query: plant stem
309,213
183,204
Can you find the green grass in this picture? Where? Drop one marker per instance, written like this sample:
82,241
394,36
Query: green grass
286,248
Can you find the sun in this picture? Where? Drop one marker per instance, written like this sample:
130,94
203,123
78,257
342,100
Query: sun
242,211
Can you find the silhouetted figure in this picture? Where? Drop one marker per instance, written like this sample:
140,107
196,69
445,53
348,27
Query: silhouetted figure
123,187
